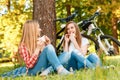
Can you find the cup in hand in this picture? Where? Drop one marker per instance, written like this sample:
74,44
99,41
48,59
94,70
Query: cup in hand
42,38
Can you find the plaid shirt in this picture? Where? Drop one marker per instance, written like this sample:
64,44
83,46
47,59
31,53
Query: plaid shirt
29,60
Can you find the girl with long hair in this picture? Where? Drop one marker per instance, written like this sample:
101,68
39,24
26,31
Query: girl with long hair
74,50
36,51
78,46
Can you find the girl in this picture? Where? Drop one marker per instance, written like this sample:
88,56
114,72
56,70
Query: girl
74,45
78,47
37,53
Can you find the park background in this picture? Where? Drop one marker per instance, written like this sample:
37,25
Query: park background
13,14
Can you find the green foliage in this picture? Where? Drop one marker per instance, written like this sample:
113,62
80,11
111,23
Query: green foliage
11,23
86,8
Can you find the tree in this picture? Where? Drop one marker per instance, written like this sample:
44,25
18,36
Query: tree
44,12
114,20
13,13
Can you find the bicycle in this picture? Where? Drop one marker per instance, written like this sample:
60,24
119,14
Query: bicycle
89,26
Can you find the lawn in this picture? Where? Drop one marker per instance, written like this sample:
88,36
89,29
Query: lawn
84,74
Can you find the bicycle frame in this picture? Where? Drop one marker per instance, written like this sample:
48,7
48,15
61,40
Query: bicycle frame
105,40
92,27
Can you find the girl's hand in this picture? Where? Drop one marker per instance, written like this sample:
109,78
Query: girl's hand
40,44
66,38
72,37
47,40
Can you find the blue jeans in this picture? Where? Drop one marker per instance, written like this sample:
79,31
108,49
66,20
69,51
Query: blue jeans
15,73
94,59
47,57
63,58
78,61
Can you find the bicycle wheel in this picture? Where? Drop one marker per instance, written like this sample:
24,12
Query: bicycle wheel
111,50
110,37
93,43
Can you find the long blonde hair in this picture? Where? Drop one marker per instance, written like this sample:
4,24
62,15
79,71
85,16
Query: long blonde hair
78,35
30,35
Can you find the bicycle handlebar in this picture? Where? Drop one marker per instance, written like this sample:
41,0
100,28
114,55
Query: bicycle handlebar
87,22
72,16
95,14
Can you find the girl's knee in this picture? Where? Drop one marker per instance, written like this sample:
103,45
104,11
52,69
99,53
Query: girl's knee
93,55
49,47
75,51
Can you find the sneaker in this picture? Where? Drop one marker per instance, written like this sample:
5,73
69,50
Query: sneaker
63,72
47,71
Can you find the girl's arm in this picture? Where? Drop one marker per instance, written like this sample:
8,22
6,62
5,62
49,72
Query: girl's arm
84,46
29,60
73,40
84,49
66,39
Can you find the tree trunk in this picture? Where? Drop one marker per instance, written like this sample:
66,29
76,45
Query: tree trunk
44,12
114,31
68,8
8,5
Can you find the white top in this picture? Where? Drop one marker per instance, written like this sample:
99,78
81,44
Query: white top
83,43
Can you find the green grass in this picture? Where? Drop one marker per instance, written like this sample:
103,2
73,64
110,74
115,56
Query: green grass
84,74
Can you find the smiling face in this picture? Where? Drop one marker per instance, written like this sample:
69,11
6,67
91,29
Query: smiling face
71,28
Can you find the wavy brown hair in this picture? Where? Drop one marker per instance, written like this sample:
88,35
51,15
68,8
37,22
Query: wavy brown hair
78,35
